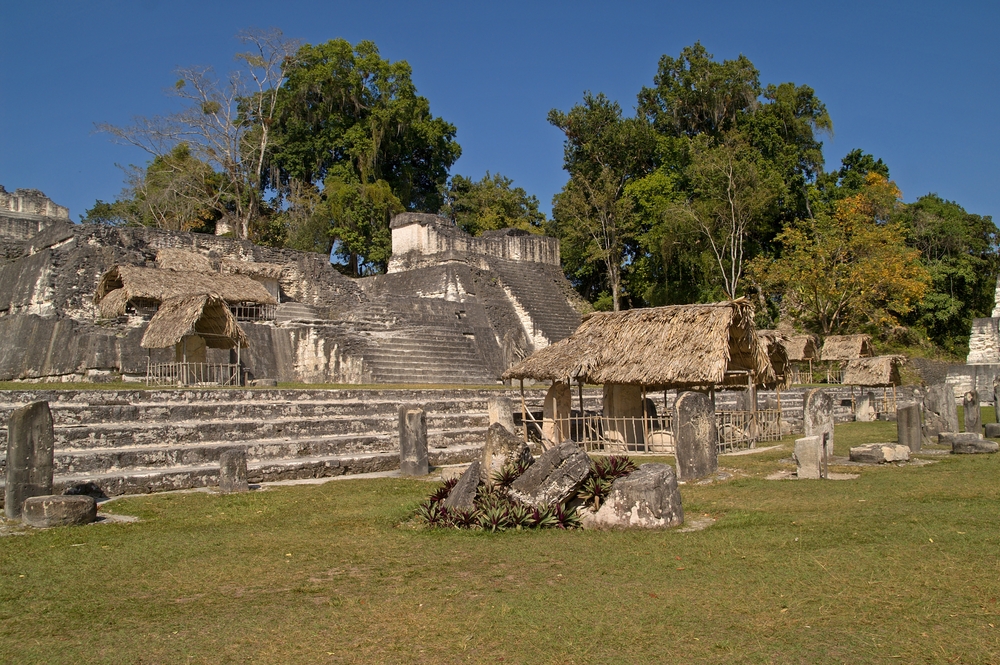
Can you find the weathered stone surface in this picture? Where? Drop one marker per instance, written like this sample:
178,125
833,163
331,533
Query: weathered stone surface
58,510
968,443
940,410
864,411
413,441
463,494
817,417
554,477
30,459
501,410
556,413
992,430
880,453
697,436
501,448
908,430
644,499
973,419
233,471
809,458
622,409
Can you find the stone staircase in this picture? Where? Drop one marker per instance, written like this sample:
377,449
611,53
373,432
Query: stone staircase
139,441
541,296
428,355
295,312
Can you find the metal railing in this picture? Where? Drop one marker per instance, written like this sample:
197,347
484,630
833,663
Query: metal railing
192,374
738,430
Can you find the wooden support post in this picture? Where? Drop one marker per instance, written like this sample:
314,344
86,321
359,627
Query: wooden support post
645,423
524,413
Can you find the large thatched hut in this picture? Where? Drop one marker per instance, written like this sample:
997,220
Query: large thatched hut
677,347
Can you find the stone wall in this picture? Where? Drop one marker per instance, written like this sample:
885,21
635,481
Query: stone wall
984,342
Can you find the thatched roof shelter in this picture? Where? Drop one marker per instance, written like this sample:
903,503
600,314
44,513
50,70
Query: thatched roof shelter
170,258
252,268
206,316
847,347
875,372
802,347
775,342
659,347
163,285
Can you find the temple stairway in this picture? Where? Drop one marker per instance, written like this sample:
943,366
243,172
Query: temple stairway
539,294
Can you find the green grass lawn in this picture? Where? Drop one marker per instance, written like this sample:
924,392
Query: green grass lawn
900,565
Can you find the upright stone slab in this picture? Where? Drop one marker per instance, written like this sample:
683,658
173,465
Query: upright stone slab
817,417
554,477
696,436
413,441
501,411
908,430
973,419
556,413
233,471
463,495
502,448
622,411
646,499
940,410
809,458
30,456
864,411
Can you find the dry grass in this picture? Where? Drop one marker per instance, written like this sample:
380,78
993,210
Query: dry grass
897,566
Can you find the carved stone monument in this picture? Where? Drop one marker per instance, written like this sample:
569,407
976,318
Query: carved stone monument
413,441
556,413
809,458
30,448
696,436
940,410
973,419
233,471
908,431
500,410
817,417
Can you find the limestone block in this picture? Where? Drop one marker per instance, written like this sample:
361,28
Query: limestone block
908,431
968,443
58,510
973,419
501,448
993,430
880,453
696,436
413,441
556,413
864,411
940,410
463,494
554,477
501,411
30,456
809,458
647,498
817,417
233,471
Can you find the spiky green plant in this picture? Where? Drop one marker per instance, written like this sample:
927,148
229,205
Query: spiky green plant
613,466
494,518
543,518
519,516
442,492
566,518
594,490
432,513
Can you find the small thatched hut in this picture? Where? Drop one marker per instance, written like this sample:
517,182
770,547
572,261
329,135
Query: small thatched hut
206,316
802,348
124,284
679,346
847,347
879,371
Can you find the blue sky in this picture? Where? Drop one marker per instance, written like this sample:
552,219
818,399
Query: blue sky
915,83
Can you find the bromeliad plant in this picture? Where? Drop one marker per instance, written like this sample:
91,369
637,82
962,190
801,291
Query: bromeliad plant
603,472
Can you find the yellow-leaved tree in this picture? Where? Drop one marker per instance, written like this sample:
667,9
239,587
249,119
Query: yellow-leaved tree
848,270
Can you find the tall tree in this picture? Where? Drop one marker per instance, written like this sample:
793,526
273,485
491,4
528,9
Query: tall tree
223,124
490,204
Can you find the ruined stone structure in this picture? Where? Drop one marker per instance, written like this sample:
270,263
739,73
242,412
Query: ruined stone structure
452,309
983,362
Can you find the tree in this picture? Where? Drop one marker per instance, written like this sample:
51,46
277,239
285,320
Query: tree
593,216
359,215
225,125
490,204
849,270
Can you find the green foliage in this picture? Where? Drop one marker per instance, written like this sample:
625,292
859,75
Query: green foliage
490,204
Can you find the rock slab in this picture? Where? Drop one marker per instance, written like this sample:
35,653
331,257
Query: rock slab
696,436
908,430
864,412
992,430
970,443
553,478
817,417
973,419
413,441
880,453
233,471
463,495
502,448
809,458
58,510
501,410
647,498
30,456
940,410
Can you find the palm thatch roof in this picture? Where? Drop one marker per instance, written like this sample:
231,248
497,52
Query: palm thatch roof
847,347
203,315
252,268
802,347
658,347
170,258
775,342
877,371
163,285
